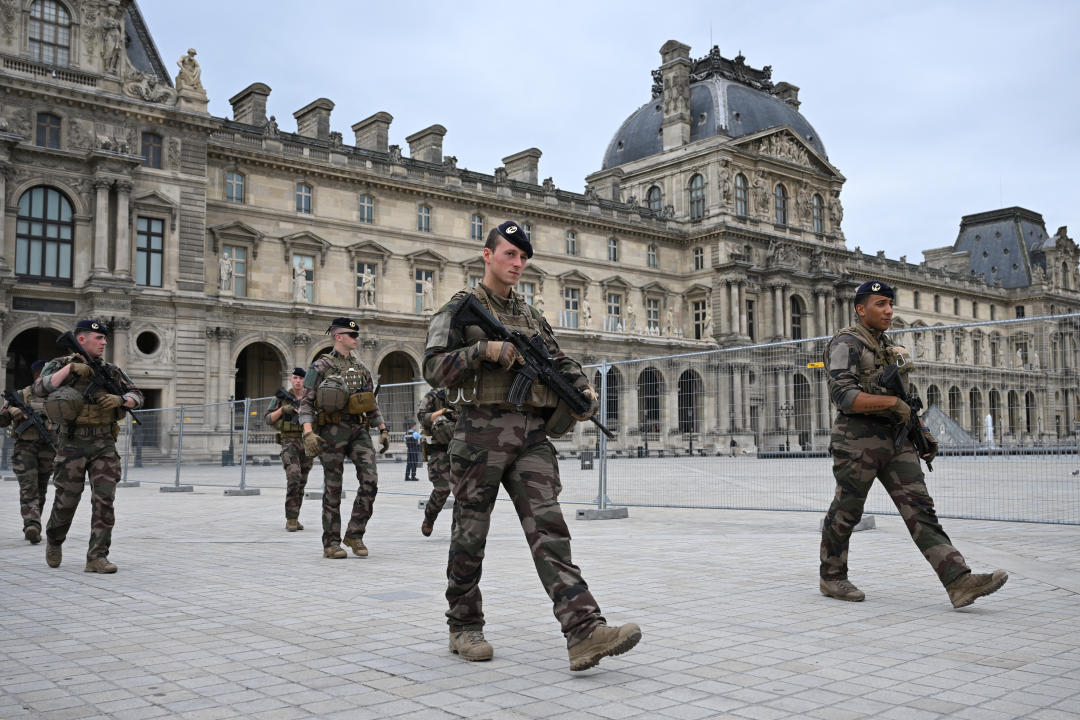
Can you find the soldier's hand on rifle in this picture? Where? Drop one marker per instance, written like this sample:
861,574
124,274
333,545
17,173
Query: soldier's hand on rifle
502,353
384,441
929,456
594,405
312,444
110,402
81,369
16,414
900,412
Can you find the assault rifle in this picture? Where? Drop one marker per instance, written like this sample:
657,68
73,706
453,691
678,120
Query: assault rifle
101,379
892,381
285,397
538,365
32,418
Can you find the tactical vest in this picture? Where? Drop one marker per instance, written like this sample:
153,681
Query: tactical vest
290,428
876,355
37,405
91,413
489,384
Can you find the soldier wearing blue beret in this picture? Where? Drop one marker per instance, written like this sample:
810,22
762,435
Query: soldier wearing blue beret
283,415
33,454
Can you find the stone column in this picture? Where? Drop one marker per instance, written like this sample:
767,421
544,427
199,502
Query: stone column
743,379
5,266
778,311
733,294
101,226
300,351
119,341
721,313
737,391
226,371
723,395
122,256
742,310
212,366
821,324
785,299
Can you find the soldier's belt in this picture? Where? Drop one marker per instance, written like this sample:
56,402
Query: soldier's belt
436,448
91,431
292,434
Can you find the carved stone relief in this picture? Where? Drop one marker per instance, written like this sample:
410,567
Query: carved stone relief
173,155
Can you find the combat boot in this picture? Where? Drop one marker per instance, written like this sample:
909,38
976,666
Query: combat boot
292,525
358,547
100,564
426,528
334,552
841,589
53,555
470,645
603,641
33,534
966,589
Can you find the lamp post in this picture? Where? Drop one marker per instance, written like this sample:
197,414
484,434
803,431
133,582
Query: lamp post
785,412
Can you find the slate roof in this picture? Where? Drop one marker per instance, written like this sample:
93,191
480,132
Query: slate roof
1004,244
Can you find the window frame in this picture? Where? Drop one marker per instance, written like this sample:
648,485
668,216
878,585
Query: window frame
60,54
26,240
149,252
570,317
613,310
235,179
653,323
309,274
742,196
652,257
229,250
46,131
699,258
151,146
696,197
476,227
817,207
365,208
571,243
423,218
419,275
613,249
305,198
654,199
780,194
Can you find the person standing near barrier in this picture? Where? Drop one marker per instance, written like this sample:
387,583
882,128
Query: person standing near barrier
87,431
499,444
337,409
863,447
284,416
412,453
437,419
32,456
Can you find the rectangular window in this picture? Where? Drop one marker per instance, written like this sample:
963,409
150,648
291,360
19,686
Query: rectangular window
958,349
750,319
48,130
993,312
613,319
915,300
239,265
652,260
50,33
363,269
528,231
699,258
527,291
613,250
571,304
571,243
477,224
475,280
956,306
303,198
423,218
1020,311
995,353
367,209
698,309
937,303
976,350
307,262
939,346
151,150
652,315
234,187
422,278
149,247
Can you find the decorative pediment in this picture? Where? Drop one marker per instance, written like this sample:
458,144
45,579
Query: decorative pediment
615,282
428,257
656,288
368,250
155,201
305,240
698,289
574,277
235,232
786,145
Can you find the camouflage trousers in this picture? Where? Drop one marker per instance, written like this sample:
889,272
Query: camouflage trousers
297,466
78,458
493,447
32,461
353,441
857,459
438,468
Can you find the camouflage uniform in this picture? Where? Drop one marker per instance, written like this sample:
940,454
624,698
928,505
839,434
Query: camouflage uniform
31,459
343,434
296,462
438,459
862,448
495,443
87,448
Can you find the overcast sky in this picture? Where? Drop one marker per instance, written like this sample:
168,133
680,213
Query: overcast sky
930,110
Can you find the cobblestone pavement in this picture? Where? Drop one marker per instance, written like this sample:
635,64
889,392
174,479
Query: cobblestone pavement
217,612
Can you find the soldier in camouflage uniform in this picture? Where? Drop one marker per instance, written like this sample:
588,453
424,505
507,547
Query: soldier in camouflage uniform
87,431
437,419
863,447
337,409
284,416
495,444
31,457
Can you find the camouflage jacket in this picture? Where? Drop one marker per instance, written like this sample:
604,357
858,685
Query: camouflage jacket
36,404
432,402
853,361
44,384
315,374
450,357
283,425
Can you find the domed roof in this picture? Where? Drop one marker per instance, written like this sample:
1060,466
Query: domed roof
718,106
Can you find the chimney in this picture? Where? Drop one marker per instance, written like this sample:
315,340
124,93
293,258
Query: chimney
313,120
374,132
524,166
675,70
249,105
426,144
788,93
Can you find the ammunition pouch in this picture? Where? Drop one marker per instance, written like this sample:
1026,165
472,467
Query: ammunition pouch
332,396
442,430
361,402
558,421
65,405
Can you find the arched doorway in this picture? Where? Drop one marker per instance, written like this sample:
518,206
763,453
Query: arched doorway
614,387
24,349
803,410
956,405
398,402
260,369
689,402
650,389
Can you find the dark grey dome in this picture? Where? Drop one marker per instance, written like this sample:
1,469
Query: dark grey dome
717,107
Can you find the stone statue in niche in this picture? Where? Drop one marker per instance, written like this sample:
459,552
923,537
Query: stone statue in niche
225,274
299,284
112,46
631,315
428,296
367,288
586,309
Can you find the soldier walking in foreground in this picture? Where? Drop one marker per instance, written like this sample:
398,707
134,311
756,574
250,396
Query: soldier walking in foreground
437,419
495,444
863,447
337,409
32,456
87,431
284,416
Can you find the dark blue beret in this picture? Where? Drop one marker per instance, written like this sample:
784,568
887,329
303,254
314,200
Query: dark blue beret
516,237
92,326
35,367
299,371
876,287
342,323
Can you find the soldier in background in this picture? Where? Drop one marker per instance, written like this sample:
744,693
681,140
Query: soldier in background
284,416
499,444
31,457
437,419
87,431
337,409
863,447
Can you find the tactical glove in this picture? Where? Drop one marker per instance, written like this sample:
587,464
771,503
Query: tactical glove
384,441
312,444
5,416
899,413
16,414
81,369
929,457
594,405
500,352
110,402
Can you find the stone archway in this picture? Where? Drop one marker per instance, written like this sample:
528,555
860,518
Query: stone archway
399,392
26,347
259,369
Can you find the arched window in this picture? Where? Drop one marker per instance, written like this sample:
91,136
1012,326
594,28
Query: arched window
797,313
234,187
1014,413
50,32
740,196
689,402
654,198
933,396
650,389
697,197
995,411
44,236
614,387
781,204
818,207
976,411
956,402
1030,420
